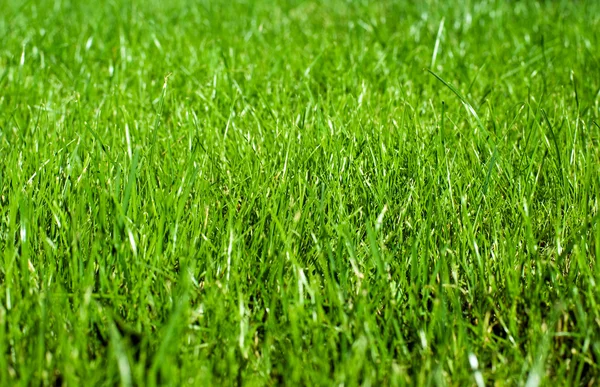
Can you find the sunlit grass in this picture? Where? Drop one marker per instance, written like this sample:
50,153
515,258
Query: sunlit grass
299,192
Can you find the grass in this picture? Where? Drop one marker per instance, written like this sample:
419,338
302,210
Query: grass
299,192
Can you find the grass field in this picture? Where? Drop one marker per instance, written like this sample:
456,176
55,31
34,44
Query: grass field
299,192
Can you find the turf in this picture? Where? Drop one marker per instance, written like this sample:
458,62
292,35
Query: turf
299,192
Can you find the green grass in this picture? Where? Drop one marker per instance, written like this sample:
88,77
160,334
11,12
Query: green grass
299,192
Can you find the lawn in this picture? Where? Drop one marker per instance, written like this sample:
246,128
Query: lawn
299,192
